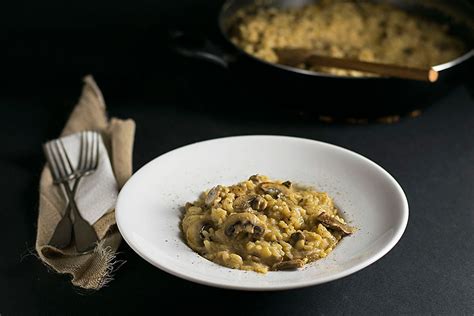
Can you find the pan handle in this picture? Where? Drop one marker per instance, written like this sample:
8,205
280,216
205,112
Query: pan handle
202,49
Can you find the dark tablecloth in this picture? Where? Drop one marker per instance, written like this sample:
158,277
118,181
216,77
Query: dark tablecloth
430,270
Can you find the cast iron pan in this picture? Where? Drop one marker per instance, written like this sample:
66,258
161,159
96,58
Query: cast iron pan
326,94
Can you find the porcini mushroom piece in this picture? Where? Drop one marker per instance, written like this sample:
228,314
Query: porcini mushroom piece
253,201
243,202
212,195
274,189
295,237
194,232
243,225
259,203
287,184
256,178
333,223
288,265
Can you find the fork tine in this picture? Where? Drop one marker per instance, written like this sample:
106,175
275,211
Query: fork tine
86,150
89,150
97,144
53,167
57,160
59,153
56,154
65,156
80,164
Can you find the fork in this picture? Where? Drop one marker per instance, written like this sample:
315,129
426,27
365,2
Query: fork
63,173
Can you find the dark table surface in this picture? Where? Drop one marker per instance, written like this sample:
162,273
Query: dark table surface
47,50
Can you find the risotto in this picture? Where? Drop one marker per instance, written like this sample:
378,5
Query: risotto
262,225
346,29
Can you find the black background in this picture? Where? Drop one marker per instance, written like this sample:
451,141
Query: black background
48,46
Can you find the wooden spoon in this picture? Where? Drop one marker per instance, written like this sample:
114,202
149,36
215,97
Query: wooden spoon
295,56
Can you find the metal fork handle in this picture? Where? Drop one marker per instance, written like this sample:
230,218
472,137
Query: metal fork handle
84,234
63,232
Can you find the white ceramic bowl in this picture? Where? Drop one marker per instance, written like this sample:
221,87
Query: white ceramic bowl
149,206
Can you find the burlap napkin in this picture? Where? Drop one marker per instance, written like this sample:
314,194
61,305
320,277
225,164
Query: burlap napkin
92,270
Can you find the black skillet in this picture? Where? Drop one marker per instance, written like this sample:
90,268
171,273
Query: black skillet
273,85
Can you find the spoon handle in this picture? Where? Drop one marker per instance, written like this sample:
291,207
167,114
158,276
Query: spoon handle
293,57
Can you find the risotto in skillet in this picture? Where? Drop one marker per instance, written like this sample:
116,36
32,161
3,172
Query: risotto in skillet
361,30
262,225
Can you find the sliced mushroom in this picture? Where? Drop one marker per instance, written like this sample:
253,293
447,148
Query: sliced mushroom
287,184
192,209
243,202
188,220
187,206
205,227
194,232
243,225
288,265
212,195
274,189
259,203
253,201
333,223
253,258
295,237
256,178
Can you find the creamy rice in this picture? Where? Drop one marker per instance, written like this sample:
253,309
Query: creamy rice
263,225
